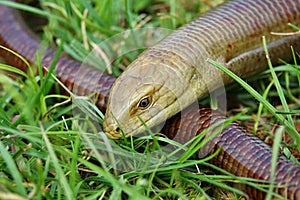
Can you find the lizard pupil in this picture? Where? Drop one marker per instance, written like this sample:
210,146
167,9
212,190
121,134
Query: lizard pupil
144,103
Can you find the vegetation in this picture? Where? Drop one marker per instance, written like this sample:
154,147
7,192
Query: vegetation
46,155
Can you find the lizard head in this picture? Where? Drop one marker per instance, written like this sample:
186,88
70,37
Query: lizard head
145,95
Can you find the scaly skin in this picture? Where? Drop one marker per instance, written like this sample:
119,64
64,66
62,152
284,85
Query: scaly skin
241,151
175,73
16,36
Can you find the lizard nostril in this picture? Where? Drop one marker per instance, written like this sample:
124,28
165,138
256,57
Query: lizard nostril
117,130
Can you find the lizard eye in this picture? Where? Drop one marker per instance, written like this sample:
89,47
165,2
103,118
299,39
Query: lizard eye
144,103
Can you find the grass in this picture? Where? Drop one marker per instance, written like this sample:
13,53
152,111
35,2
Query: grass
46,155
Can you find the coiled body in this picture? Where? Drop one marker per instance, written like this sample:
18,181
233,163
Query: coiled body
175,73
241,151
16,36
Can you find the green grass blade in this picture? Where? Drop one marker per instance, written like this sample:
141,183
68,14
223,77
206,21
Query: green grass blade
29,9
290,128
59,172
277,84
275,153
14,171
